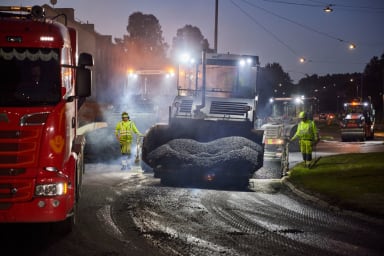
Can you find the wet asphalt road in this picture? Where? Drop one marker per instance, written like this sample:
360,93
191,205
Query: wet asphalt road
131,213
271,221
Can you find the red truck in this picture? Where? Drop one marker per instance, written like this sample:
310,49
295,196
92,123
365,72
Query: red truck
42,86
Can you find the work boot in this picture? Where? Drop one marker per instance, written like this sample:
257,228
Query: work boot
124,165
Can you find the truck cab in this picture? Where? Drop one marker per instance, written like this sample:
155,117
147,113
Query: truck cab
42,87
358,122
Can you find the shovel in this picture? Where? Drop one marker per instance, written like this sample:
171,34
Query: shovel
314,162
137,157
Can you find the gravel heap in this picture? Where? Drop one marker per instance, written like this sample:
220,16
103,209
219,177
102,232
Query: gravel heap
224,153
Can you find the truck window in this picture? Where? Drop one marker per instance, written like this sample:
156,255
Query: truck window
224,78
29,77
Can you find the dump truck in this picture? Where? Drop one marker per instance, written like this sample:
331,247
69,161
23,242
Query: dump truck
213,111
281,125
43,84
358,121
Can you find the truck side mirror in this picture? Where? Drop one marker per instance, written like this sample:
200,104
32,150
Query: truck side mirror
83,82
84,75
85,59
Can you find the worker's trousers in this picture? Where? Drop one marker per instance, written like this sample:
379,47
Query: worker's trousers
306,149
125,148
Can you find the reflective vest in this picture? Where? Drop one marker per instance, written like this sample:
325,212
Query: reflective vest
125,129
306,130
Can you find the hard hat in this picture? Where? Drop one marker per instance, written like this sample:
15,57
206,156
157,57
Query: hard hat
302,114
124,115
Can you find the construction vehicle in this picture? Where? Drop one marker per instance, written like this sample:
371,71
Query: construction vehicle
216,98
42,87
280,126
144,94
358,122
142,97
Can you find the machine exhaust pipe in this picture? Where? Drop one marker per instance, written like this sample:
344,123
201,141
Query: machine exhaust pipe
204,64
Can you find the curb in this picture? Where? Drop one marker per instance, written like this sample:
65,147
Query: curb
329,206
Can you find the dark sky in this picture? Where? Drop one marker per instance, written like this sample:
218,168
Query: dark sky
279,31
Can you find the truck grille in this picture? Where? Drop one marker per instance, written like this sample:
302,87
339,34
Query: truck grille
186,106
17,148
228,108
17,151
272,131
12,191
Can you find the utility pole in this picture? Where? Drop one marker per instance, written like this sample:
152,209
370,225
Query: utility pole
382,94
216,23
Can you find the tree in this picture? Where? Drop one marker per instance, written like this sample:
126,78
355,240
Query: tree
145,43
373,83
273,82
189,39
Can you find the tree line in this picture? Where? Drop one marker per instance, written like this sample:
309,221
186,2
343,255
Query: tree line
145,47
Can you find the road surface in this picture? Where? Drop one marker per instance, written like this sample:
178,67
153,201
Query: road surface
131,213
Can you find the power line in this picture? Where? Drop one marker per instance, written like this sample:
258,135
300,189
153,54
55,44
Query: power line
296,23
293,3
264,28
321,4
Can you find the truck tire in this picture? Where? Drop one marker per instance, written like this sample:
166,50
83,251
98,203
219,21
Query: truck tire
66,226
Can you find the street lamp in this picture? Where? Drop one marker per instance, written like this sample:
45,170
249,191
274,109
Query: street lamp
352,46
328,9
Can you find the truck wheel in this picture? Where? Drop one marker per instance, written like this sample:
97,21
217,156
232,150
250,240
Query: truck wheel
66,226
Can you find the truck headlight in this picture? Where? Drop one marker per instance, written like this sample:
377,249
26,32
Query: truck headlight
55,189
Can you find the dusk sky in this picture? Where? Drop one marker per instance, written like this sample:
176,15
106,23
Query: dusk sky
279,31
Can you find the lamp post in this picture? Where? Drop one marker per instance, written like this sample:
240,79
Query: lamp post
382,94
357,87
361,86
216,23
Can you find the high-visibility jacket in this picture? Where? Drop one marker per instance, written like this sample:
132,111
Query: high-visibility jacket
124,130
306,130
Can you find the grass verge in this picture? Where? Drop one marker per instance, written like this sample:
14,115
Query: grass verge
351,181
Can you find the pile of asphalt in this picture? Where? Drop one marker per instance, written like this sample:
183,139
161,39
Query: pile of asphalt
225,153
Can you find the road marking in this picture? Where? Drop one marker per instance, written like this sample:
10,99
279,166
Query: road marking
104,215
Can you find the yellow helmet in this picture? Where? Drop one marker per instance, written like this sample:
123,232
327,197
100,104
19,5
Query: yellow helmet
302,114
